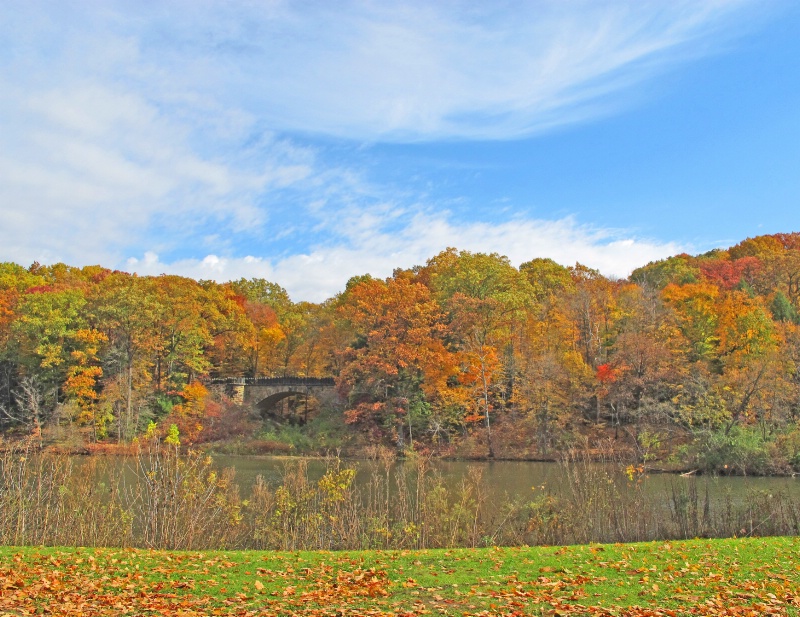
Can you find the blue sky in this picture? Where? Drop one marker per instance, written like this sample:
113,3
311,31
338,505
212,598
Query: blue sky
307,142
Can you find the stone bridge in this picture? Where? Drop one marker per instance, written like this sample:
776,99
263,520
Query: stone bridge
264,393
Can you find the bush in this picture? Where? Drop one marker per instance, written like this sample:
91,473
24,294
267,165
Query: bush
787,447
741,450
323,433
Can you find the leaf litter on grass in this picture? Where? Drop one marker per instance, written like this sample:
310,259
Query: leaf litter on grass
624,581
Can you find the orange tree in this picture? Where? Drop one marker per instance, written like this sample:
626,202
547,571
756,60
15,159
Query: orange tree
396,365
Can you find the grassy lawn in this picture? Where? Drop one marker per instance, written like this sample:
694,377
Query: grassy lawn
700,577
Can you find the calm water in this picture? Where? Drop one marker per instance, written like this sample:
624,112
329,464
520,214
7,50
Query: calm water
502,480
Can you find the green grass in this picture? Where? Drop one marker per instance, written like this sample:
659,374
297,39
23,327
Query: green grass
699,577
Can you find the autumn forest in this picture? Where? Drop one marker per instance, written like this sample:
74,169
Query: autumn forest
690,363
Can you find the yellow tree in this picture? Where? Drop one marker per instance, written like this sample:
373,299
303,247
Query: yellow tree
485,298
45,329
82,383
696,311
229,327
552,374
677,270
184,330
189,413
591,305
753,371
14,281
126,309
265,338
313,355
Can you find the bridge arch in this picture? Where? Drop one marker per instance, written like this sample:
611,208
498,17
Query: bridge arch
264,394
269,407
269,403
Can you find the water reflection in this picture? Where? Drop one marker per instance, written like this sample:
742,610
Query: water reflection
518,480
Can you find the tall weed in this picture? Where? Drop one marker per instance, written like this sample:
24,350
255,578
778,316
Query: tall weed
164,498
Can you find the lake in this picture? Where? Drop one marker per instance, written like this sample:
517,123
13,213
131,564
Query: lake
519,480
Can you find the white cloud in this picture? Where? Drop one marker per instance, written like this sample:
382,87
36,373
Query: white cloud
324,271
88,171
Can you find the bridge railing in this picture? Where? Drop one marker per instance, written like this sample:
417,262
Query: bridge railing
275,381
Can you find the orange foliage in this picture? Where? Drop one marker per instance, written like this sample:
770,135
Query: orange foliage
189,416
194,399
759,246
82,377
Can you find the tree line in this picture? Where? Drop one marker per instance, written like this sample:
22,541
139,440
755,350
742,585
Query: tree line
697,351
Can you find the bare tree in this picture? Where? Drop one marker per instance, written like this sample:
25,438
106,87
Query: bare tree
29,409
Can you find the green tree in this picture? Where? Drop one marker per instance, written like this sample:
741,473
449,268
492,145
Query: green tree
126,308
677,270
45,328
485,298
782,309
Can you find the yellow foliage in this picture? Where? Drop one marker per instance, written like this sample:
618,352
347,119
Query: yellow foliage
194,396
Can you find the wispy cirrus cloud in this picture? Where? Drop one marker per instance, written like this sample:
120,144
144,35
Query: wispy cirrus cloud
198,133
418,70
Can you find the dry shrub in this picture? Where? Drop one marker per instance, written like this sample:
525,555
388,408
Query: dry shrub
164,498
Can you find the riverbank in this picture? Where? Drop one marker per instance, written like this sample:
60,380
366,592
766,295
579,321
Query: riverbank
740,451
164,499
695,577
